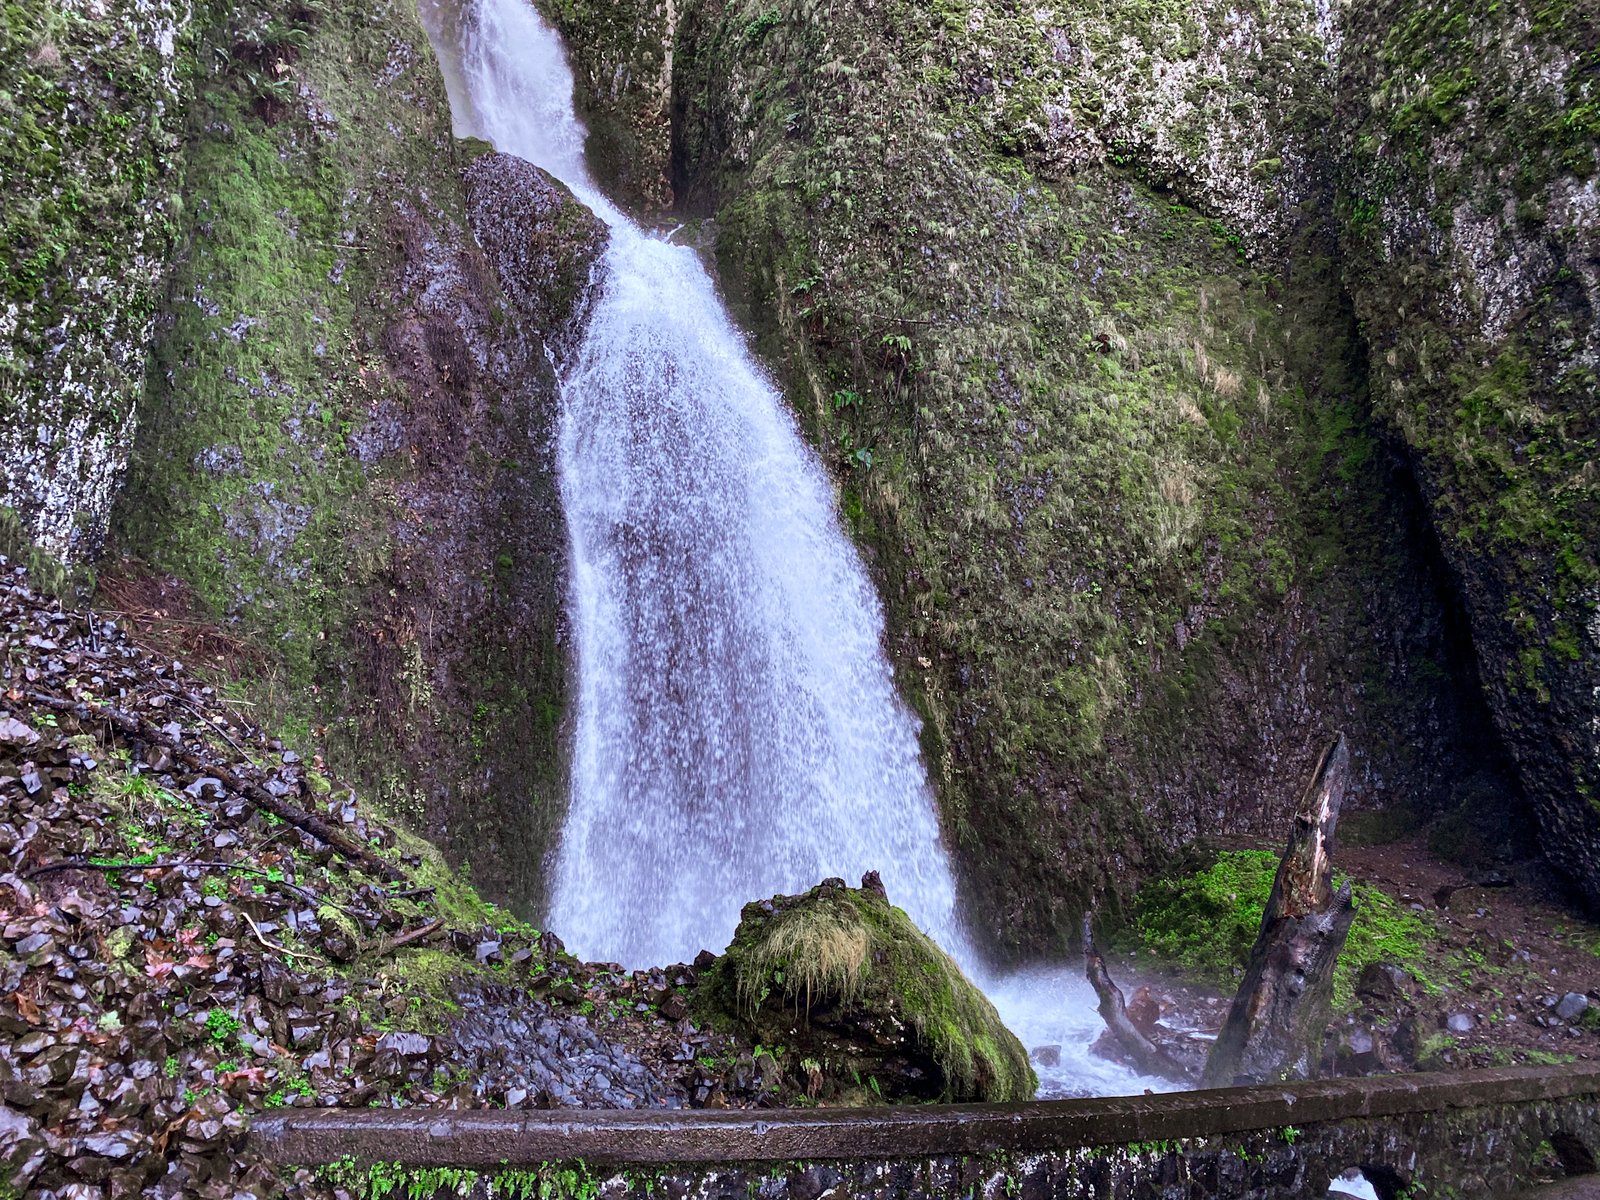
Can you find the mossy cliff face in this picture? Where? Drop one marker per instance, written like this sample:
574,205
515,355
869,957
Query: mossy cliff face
90,97
1069,327
345,445
1471,222
621,52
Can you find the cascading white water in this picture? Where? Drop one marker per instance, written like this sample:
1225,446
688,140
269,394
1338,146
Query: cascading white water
737,729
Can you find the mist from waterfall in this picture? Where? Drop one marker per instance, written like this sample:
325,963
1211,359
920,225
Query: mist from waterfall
737,731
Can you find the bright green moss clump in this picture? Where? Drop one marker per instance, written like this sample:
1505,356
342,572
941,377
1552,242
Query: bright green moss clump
1205,923
843,983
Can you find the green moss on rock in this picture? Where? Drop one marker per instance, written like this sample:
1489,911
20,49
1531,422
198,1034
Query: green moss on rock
852,998
90,96
1098,411
1469,223
1204,921
344,444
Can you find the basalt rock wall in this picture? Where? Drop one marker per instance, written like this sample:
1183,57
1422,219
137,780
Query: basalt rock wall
1471,226
91,98
1057,294
339,449
1087,311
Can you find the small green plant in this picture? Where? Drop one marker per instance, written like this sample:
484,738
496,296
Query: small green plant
1434,1047
289,1089
222,1025
761,26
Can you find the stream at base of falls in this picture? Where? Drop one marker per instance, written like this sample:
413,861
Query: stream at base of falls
737,729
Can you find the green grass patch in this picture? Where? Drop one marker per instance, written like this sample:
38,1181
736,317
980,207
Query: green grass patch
1205,922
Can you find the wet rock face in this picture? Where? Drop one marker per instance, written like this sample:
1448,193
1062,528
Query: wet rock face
855,1004
1471,225
1096,404
90,94
622,57
346,460
540,241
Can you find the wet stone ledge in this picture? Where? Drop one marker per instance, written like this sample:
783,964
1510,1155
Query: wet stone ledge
1467,1134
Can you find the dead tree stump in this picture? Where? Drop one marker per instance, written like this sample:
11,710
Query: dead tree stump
1279,1017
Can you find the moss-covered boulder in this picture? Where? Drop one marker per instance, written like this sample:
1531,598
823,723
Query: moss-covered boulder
857,1004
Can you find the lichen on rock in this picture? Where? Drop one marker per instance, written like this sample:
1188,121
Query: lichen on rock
90,97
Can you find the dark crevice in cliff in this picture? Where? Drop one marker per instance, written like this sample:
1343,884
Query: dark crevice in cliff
1485,816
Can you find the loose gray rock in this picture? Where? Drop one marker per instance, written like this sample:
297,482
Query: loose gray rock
1572,1006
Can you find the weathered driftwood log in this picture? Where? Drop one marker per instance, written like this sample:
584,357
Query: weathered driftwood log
1148,1057
1279,1016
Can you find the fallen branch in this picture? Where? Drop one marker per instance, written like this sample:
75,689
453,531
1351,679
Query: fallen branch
134,726
1148,1057
409,936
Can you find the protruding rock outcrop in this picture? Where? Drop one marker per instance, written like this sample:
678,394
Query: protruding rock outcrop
541,243
89,98
847,993
1470,226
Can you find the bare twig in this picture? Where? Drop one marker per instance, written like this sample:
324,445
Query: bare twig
220,730
411,893
256,929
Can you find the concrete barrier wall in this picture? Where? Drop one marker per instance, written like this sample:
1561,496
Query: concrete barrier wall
1466,1134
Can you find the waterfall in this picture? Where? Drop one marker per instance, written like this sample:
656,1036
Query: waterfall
737,729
